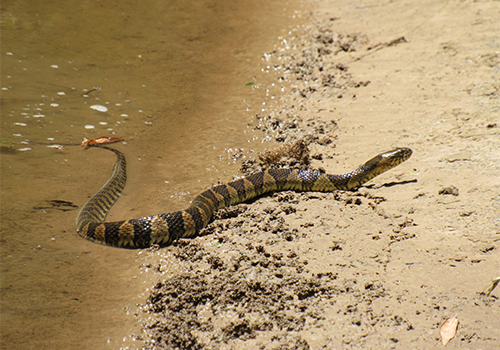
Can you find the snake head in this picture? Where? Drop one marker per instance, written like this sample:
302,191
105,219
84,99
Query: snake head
395,157
379,164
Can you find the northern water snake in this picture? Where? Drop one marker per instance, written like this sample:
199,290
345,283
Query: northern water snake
163,229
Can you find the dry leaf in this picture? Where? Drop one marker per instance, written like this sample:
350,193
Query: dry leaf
448,330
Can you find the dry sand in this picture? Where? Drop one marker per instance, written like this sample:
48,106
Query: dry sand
384,266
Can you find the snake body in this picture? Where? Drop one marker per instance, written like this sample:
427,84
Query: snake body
163,229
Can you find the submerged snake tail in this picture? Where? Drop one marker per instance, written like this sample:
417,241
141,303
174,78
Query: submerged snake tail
163,229
95,210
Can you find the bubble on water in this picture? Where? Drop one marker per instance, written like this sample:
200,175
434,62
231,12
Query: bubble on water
20,124
103,123
38,115
24,149
54,104
99,108
89,127
54,66
61,93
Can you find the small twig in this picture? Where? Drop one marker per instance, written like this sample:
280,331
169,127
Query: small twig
94,89
399,40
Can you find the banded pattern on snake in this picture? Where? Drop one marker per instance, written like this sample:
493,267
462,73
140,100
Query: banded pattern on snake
163,229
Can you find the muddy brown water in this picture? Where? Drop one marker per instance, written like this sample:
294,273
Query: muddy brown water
172,80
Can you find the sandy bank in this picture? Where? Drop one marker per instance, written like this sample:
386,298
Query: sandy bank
384,266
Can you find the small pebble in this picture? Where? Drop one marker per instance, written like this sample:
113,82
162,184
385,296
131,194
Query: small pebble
449,190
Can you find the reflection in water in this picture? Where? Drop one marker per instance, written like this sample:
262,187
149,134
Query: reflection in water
170,77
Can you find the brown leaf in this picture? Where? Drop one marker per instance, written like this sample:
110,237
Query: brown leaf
448,330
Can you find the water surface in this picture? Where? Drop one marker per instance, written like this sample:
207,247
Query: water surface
172,79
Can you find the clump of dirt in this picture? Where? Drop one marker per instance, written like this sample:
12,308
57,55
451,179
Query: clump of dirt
297,135
298,152
295,155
